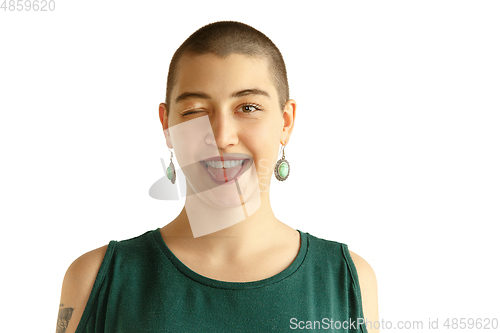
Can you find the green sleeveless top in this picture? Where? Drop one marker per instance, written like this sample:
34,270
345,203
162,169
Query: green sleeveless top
141,286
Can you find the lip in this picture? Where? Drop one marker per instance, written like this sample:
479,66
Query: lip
244,167
228,157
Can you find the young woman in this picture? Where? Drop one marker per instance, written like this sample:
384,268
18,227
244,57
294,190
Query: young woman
225,263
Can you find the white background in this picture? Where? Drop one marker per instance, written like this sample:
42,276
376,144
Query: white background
395,149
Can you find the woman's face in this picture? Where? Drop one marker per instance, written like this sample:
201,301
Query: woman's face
226,108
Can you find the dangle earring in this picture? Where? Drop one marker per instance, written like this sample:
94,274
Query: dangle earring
282,168
171,169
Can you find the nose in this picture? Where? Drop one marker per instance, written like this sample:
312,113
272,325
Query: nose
224,130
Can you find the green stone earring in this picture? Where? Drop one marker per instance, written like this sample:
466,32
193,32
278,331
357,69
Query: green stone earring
171,169
282,168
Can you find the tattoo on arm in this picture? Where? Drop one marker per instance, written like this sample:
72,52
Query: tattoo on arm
63,318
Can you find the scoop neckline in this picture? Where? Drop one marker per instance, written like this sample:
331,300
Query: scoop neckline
296,263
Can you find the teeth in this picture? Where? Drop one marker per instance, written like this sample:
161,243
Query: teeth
226,164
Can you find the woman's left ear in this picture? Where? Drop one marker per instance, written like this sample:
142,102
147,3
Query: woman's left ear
288,119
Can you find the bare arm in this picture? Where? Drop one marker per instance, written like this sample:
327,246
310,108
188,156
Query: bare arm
369,293
76,288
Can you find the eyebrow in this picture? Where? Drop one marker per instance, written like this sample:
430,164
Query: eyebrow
241,93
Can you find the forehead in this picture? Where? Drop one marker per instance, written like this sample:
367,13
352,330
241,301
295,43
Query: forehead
220,77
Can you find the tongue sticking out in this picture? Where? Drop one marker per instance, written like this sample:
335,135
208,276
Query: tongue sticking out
224,175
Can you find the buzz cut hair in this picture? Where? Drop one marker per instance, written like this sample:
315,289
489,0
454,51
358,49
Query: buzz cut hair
224,38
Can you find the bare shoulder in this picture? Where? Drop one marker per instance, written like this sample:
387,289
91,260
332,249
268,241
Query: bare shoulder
369,292
363,267
77,285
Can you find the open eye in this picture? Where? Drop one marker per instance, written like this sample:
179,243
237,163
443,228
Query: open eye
250,108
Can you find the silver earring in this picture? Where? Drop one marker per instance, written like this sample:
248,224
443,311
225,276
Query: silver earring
171,169
282,168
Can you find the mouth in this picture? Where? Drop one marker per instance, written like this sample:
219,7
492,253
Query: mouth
225,172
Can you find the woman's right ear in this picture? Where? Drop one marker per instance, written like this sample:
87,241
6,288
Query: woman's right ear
164,121
163,114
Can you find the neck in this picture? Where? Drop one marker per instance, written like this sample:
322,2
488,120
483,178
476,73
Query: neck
244,237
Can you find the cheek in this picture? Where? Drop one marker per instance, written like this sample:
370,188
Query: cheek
263,142
268,128
261,138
